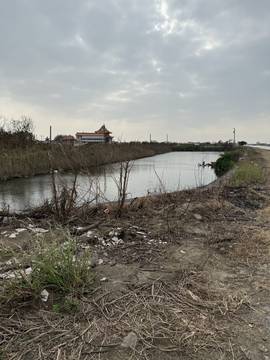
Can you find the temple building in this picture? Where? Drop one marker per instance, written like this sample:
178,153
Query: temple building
103,135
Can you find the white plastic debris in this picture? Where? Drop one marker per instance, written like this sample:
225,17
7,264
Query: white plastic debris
3,232
100,261
39,230
89,234
8,275
13,236
103,279
44,295
20,230
28,271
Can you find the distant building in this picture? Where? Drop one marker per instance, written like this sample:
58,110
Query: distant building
102,135
64,139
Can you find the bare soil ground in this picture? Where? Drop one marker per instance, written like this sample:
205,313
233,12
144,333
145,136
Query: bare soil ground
180,276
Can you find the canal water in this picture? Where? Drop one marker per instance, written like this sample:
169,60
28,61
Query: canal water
167,172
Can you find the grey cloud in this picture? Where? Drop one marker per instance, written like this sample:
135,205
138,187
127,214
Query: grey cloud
188,64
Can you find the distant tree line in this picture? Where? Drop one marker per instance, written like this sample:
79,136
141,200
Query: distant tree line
16,133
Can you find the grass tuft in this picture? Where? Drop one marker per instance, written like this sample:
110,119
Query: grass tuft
247,174
55,266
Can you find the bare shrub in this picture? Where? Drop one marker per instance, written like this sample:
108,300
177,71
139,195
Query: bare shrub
122,185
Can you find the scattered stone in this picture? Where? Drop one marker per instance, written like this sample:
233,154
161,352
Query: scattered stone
130,341
198,217
44,295
263,348
94,260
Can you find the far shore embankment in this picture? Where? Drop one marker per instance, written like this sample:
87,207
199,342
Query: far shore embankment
40,159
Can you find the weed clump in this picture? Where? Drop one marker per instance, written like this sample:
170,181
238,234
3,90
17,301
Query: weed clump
247,174
57,267
226,162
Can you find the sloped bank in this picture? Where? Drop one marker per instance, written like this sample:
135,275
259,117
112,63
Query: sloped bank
178,275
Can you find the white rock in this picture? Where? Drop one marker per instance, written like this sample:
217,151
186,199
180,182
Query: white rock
89,234
100,261
103,279
130,341
44,295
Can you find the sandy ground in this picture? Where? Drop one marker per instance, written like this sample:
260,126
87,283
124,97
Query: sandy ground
187,274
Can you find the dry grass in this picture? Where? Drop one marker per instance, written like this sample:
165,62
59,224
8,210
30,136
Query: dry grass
247,173
183,317
40,159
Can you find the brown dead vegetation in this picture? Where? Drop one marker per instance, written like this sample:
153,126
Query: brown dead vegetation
188,278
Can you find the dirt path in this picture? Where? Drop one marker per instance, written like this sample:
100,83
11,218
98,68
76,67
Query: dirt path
186,276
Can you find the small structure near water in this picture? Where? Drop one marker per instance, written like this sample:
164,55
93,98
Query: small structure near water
103,135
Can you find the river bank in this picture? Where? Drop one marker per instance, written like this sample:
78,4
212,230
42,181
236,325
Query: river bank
40,159
184,275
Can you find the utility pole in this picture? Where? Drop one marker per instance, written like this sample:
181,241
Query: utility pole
50,133
234,136
150,138
167,138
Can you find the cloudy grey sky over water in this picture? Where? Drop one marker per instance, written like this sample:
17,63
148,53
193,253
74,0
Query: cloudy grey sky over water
191,68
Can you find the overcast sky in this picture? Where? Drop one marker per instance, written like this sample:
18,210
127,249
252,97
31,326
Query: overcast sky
192,69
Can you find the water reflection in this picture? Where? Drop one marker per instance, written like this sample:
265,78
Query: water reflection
172,171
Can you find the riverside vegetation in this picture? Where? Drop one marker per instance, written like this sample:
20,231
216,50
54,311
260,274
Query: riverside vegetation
176,275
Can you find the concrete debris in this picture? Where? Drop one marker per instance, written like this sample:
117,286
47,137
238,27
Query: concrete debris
44,295
130,341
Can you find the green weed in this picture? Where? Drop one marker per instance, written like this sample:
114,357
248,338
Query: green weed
247,174
56,267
